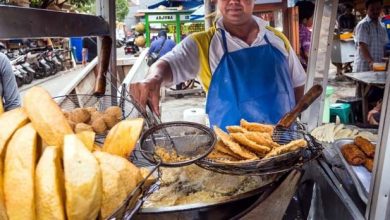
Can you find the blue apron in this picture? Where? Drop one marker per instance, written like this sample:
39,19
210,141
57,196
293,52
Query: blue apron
252,84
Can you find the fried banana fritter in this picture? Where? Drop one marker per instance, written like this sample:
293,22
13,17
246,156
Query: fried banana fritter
366,146
352,154
257,148
252,126
369,164
292,146
235,129
217,155
261,139
221,147
235,147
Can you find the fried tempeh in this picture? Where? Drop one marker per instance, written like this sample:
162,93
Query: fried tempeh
261,139
252,126
243,140
292,146
235,129
235,147
353,154
365,145
221,147
217,155
369,164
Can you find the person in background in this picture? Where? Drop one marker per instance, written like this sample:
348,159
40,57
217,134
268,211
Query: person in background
306,12
347,20
247,68
162,44
9,93
370,38
89,51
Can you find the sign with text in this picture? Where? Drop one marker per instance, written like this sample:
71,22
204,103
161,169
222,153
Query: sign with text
184,17
163,17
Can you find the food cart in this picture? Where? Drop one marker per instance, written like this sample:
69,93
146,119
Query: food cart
321,190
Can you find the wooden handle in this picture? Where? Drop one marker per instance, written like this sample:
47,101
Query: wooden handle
301,106
104,62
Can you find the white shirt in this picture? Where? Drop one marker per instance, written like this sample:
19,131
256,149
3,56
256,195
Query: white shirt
184,58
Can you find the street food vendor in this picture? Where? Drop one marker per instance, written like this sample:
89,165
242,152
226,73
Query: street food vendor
9,93
247,68
370,38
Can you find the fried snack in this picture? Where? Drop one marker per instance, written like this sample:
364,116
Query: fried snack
72,124
114,111
91,110
79,115
252,126
369,164
110,120
99,126
353,154
66,114
261,139
236,148
218,156
365,145
221,147
292,146
95,115
235,129
257,148
82,127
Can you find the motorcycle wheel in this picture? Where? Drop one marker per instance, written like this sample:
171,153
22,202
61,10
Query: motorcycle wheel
28,78
19,81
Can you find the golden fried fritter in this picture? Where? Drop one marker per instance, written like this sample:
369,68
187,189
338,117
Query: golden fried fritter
365,145
221,147
79,115
95,116
369,164
66,114
82,127
91,110
114,111
352,154
261,139
110,120
72,124
292,146
241,139
99,126
217,155
252,126
235,147
235,129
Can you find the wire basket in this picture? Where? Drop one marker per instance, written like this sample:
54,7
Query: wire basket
273,165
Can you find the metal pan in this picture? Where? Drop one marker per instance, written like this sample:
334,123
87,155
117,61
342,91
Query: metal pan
361,177
215,211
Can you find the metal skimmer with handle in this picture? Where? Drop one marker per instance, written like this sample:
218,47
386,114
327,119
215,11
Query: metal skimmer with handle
283,134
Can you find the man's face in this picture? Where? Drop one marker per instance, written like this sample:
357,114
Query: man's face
236,12
374,10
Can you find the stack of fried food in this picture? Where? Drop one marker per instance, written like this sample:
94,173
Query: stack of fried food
90,119
49,172
360,152
249,141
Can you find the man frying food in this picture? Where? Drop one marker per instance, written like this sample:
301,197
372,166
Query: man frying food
248,69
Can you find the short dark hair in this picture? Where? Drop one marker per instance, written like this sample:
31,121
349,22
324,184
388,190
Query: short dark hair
162,34
306,10
370,2
348,6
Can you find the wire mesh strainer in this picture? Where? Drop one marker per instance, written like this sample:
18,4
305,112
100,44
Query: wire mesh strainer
184,143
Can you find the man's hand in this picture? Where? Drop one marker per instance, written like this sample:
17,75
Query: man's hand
147,92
